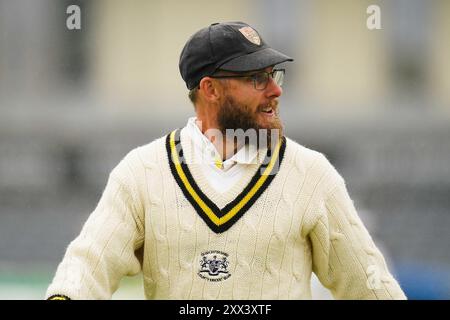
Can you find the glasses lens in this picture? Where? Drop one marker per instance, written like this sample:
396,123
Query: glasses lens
261,80
278,77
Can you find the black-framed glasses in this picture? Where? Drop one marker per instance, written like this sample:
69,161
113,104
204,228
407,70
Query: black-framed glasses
260,79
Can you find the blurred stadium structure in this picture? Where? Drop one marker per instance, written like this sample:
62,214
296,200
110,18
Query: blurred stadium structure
74,102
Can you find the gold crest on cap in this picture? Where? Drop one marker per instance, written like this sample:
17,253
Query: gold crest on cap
251,35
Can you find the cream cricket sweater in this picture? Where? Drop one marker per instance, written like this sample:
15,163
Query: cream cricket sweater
259,240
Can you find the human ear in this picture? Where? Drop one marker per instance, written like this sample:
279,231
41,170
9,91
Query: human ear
210,89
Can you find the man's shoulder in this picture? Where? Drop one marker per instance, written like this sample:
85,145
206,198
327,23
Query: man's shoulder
146,155
305,157
302,152
150,148
312,161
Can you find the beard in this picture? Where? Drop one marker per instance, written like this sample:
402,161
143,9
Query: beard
240,120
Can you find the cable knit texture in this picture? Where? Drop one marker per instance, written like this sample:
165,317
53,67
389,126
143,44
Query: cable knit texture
304,221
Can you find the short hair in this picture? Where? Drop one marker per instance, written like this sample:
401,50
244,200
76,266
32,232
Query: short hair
193,95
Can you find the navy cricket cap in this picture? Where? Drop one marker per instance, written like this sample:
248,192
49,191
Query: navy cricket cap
231,46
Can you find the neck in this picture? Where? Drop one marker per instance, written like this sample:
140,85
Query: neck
208,125
225,147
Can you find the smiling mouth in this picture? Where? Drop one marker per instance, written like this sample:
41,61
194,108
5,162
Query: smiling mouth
268,111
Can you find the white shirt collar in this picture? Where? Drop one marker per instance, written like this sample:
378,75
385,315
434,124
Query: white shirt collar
208,152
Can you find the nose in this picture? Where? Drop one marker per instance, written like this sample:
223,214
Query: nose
273,90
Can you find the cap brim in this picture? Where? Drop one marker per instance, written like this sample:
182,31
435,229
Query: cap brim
255,61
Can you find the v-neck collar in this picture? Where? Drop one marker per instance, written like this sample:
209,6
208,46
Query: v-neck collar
220,220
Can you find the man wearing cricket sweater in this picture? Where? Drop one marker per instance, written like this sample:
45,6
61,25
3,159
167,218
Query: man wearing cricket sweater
226,207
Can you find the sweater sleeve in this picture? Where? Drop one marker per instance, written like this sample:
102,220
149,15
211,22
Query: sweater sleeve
104,252
345,258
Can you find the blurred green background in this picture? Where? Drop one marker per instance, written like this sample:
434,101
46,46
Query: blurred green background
74,102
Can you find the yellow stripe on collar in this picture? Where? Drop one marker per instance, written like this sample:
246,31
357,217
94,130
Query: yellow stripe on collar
217,219
186,183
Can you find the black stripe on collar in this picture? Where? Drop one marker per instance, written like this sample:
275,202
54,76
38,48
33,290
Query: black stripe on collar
220,220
